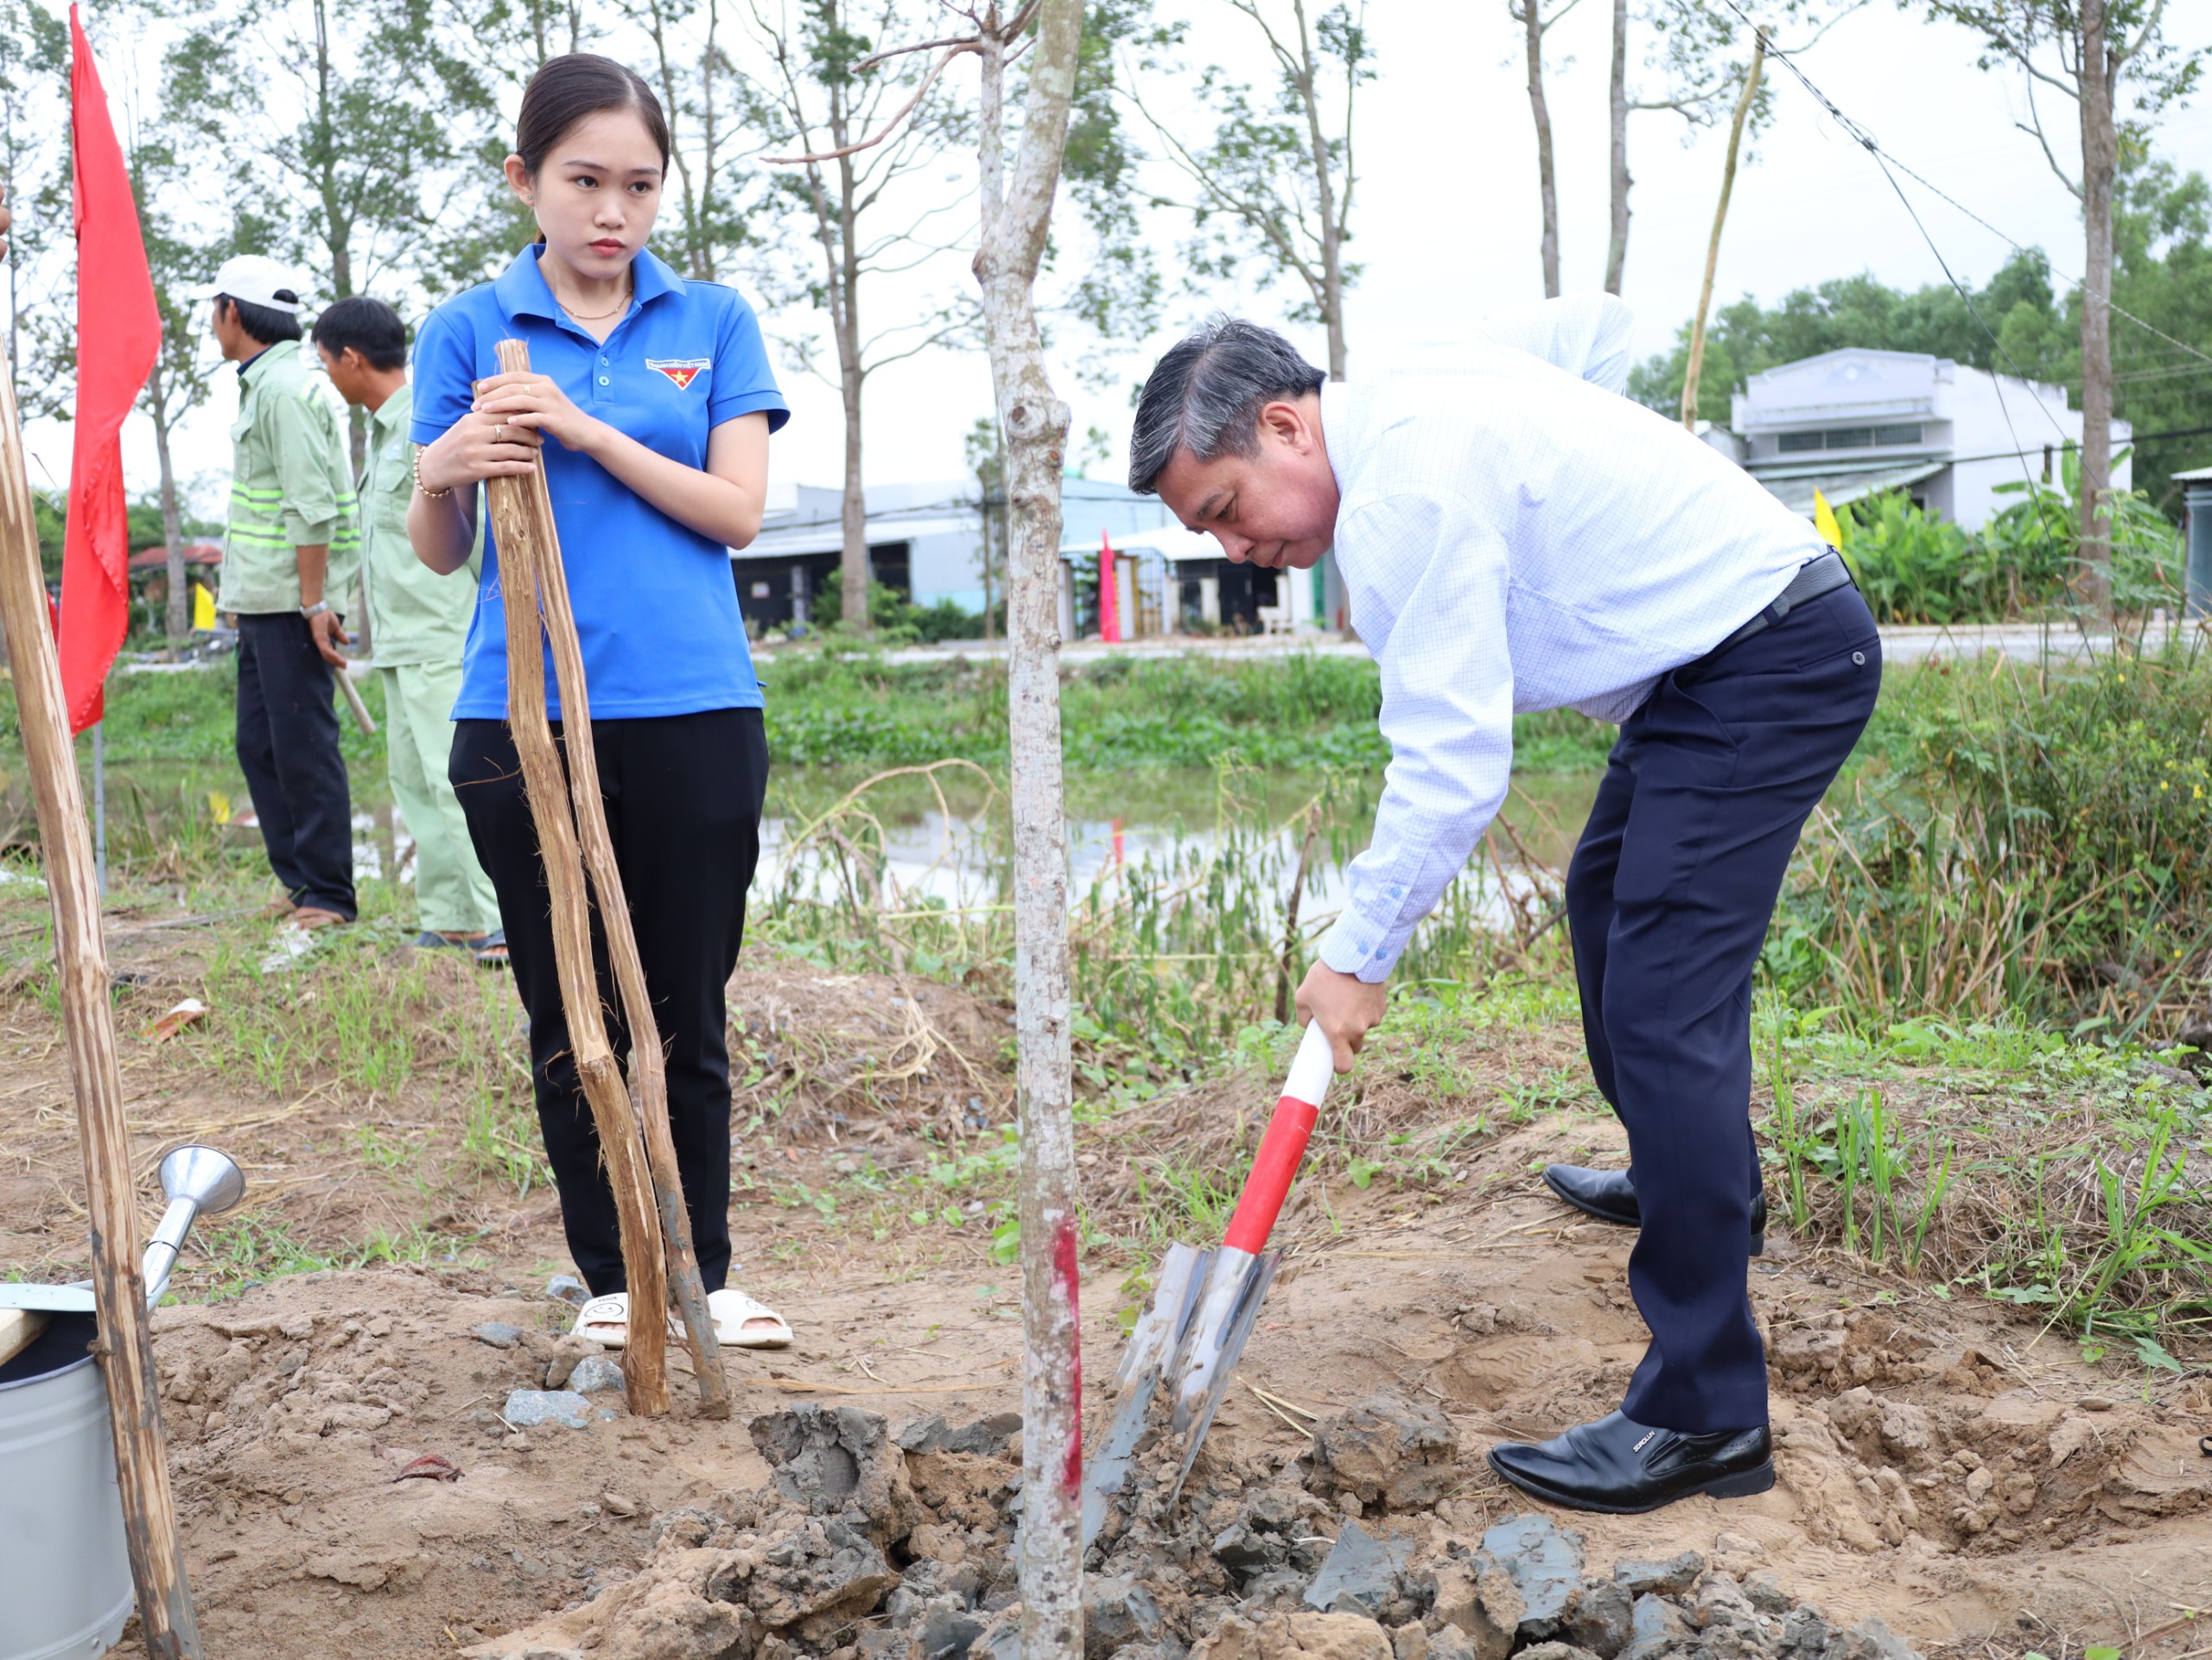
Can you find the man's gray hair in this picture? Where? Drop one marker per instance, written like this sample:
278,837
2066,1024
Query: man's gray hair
1205,395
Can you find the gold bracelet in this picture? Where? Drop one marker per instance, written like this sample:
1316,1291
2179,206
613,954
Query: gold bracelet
434,495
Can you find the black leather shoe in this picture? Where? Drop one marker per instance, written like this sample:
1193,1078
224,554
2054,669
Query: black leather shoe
1624,1469
1609,1195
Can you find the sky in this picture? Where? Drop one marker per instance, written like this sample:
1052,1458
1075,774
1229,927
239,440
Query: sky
1445,217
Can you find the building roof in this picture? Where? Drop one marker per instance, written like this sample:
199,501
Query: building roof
828,534
1841,482
196,553
1170,542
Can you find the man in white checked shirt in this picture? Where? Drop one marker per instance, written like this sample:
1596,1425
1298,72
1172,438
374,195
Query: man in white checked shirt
1515,535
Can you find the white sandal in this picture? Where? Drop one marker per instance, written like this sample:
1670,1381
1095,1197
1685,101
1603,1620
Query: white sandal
605,1321
734,1311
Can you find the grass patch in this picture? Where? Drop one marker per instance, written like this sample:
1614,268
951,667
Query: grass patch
252,1251
2020,838
2070,1178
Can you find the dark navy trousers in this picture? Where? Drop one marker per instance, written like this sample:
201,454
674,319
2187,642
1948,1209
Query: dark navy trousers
1669,897
287,749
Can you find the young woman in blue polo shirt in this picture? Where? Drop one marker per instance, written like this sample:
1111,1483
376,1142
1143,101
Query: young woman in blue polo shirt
651,400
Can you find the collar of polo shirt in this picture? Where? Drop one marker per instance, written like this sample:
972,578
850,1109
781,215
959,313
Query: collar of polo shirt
523,291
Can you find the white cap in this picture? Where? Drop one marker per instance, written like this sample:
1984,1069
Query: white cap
257,280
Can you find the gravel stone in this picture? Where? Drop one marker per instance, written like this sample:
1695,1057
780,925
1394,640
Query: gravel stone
1362,1574
1656,1627
594,1373
1598,1616
1545,1562
497,1334
1117,1612
1765,1592
1668,1579
527,1409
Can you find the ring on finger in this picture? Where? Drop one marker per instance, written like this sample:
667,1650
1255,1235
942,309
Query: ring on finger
500,433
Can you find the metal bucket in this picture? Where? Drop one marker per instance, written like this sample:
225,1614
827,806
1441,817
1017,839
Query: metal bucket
65,1572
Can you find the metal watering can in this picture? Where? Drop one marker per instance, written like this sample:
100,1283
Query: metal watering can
65,1574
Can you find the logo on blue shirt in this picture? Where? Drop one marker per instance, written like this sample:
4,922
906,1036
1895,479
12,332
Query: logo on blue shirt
682,371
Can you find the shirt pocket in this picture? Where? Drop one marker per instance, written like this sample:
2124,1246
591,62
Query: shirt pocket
393,475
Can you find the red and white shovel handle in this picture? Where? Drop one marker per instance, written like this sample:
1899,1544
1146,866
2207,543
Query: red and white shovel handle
1283,1149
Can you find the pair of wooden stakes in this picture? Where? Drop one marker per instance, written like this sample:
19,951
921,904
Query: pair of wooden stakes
573,843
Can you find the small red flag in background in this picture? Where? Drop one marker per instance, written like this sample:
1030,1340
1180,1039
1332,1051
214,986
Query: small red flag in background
118,335
1109,593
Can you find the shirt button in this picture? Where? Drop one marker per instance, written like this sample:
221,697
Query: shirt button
1860,657
602,380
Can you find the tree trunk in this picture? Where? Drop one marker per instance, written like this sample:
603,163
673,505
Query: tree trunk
852,569
1325,196
853,572
1035,422
1547,180
2100,160
983,525
1617,244
1696,365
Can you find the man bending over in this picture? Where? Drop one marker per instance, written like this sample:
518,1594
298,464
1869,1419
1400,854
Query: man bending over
1513,536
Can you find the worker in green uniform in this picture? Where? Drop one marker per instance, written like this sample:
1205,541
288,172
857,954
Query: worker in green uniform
291,554
418,622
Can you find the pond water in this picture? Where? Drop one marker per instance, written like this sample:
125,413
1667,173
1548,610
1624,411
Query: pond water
949,844
938,840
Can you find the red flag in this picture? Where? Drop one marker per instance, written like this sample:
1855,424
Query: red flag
118,335
1109,593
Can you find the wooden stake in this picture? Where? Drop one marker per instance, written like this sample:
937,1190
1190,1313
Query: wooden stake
534,581
125,1344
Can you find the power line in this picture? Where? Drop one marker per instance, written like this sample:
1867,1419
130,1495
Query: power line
1859,134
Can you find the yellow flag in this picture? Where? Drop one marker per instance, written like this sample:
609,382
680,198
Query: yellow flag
1824,521
203,606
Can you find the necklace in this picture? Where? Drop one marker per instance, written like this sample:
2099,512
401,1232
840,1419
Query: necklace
598,316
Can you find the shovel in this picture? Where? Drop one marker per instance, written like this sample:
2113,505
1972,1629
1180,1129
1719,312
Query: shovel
1203,1302
199,1181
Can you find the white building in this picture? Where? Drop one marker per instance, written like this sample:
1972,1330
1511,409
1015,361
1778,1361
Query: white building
925,540
1856,422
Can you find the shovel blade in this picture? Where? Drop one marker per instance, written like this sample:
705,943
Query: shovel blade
1151,1344
1214,1354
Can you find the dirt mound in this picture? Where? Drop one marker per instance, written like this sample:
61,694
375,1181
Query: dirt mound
843,1554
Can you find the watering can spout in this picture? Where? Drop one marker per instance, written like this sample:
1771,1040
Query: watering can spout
199,1181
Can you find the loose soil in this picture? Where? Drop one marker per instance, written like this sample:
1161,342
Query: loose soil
1945,1465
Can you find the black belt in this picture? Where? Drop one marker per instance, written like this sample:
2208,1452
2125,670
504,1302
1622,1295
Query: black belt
1822,574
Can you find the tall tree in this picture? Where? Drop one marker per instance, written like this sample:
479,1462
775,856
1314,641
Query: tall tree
1275,185
869,134
1692,47
1529,14
33,167
2084,50
720,211
337,119
1016,193
1017,209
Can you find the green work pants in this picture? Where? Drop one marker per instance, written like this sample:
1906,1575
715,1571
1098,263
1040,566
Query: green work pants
452,893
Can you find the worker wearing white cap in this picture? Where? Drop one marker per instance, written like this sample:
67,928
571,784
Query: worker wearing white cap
289,558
